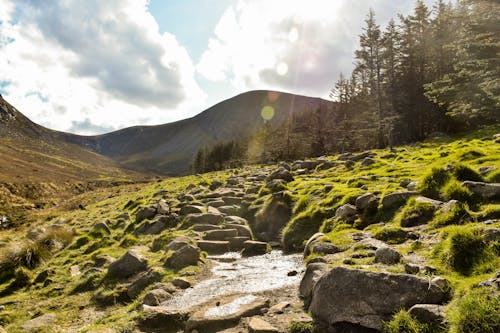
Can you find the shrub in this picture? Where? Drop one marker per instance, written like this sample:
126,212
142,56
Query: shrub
391,235
403,322
431,184
476,312
453,190
464,248
464,173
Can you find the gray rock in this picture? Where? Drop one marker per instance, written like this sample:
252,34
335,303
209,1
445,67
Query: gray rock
412,268
144,213
494,282
207,218
151,227
178,243
491,235
215,185
162,207
365,298
157,318
192,209
37,324
242,230
281,173
276,185
188,255
387,256
102,226
230,210
448,206
346,212
129,264
181,283
313,273
237,243
397,199
313,239
220,234
324,248
155,297
367,161
214,247
142,281
252,248
432,314
258,325
231,219
486,170
486,191
367,201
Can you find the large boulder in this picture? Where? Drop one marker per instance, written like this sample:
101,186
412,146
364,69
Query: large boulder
367,298
144,213
188,255
431,314
346,212
254,248
387,256
397,199
486,191
367,201
281,173
129,264
313,272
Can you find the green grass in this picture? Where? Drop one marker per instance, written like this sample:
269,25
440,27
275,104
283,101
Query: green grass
403,322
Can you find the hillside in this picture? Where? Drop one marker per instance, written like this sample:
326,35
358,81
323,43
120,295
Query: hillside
413,228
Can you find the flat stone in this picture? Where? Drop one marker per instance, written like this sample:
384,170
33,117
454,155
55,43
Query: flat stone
397,199
157,318
258,325
181,283
227,314
193,219
155,297
252,248
206,227
214,247
220,235
39,323
428,313
280,307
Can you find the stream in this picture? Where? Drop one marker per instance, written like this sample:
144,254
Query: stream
234,274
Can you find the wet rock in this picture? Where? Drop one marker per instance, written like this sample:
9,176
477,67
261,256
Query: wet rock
314,272
181,283
338,294
155,297
214,247
258,325
396,199
131,263
387,256
432,314
367,201
144,213
229,312
188,255
486,191
253,248
37,324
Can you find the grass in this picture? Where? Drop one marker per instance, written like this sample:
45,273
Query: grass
416,213
403,322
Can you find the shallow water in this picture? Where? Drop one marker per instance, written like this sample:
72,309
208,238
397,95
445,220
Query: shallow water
233,274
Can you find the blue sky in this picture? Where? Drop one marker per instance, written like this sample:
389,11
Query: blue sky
94,66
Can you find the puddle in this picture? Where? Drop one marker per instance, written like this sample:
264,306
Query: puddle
233,274
229,308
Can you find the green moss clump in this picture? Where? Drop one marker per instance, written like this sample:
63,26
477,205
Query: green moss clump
453,190
458,214
301,327
494,177
415,213
391,235
470,154
464,173
433,182
477,311
302,227
403,322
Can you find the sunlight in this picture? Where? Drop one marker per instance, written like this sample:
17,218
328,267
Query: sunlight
282,68
267,112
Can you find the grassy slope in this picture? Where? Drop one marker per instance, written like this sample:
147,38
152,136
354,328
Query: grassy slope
313,207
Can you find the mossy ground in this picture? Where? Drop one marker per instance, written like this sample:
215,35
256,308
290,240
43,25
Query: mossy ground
314,197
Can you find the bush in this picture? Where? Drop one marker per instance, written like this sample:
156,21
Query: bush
453,190
476,312
403,322
464,173
464,248
431,185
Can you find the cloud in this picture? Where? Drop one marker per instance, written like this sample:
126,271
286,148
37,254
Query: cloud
104,61
292,45
86,127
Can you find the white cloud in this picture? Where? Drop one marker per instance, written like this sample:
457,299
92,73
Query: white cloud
94,63
293,45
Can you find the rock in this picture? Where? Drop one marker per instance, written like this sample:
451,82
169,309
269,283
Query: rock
162,207
232,200
346,212
227,314
206,227
425,200
486,191
494,282
144,213
448,206
491,235
367,161
151,227
308,165
192,209
129,264
412,268
485,170
258,325
37,324
231,220
368,298
216,203
313,272
102,226
144,280
412,186
179,242
276,185
313,239
387,256
230,210
192,219
279,308
215,185
370,244
397,199
432,314
242,230
181,283
188,255
440,282
324,248
155,318
367,201
155,297
253,248
237,243
281,173
220,234
44,275
214,247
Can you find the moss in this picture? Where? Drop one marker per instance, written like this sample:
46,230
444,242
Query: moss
478,311
490,211
463,173
453,190
133,204
301,327
302,227
470,154
494,177
458,214
391,235
403,322
415,213
431,184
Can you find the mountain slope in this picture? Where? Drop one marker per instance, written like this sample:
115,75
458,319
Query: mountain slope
170,148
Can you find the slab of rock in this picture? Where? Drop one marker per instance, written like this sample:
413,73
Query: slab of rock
192,209
279,308
144,213
188,255
243,230
232,219
102,226
281,173
155,297
254,248
397,199
258,325
367,201
214,247
346,211
158,318
387,256
230,210
39,323
228,313
206,227
425,200
432,314
312,240
150,228
142,281
208,218
367,298
237,243
487,191
129,264
324,248
220,235
178,243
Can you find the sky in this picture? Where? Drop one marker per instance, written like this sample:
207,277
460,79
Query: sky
93,66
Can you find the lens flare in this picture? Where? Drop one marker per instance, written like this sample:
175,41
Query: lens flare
267,112
282,69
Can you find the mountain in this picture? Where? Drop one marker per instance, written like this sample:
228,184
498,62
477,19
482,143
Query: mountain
170,148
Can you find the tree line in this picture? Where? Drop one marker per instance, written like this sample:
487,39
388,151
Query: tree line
435,70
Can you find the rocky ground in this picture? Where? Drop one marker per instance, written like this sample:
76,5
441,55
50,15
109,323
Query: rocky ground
413,229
